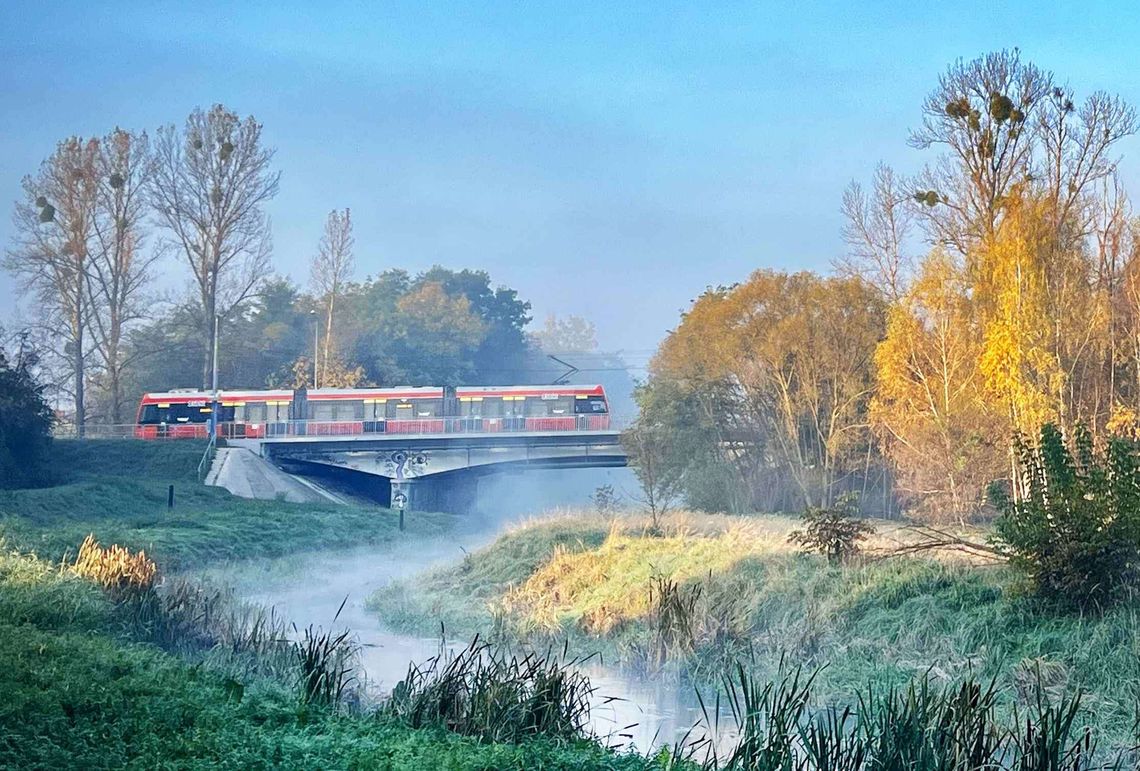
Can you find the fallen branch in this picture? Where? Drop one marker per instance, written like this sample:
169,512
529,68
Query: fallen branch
931,538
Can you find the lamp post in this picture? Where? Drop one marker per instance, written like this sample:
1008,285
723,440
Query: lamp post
214,413
316,346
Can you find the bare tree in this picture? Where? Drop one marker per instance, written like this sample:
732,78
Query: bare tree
982,113
54,226
119,267
209,187
650,455
1077,145
331,270
877,227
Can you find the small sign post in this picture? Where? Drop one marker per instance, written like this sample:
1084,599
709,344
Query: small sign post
400,502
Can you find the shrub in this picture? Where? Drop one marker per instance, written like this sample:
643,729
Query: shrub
1075,528
606,501
25,422
834,531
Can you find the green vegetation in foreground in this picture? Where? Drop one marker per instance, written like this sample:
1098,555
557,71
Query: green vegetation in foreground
716,588
80,694
118,491
82,690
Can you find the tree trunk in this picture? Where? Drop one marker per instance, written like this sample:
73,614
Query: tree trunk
116,395
207,353
80,408
328,334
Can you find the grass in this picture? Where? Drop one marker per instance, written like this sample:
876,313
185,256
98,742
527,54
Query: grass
118,491
75,700
461,595
712,590
118,669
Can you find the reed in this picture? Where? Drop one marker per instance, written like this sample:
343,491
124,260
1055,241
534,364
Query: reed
326,662
922,726
495,694
121,572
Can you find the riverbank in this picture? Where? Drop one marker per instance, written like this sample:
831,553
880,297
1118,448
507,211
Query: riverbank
181,677
711,590
119,490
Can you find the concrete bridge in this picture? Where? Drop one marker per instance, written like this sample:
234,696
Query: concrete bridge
440,471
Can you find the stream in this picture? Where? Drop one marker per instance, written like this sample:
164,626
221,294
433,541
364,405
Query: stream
627,711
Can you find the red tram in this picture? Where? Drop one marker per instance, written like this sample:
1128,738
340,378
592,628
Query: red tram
347,411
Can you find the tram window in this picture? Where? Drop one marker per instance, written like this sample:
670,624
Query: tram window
428,408
513,408
322,410
401,410
255,412
374,410
593,405
561,405
537,407
188,413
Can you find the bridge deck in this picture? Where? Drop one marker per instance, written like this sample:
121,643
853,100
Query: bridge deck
429,441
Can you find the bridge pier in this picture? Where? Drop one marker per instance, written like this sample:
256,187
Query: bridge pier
454,492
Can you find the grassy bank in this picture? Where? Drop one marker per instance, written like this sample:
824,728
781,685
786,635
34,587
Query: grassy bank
118,491
80,693
174,677
714,589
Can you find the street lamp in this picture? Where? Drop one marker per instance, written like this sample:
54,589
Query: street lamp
316,346
214,415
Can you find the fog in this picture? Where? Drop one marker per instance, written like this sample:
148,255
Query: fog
506,497
627,709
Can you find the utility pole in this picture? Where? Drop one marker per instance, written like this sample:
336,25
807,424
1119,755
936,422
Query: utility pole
214,409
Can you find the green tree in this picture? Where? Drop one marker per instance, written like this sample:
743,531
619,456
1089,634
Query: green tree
500,356
25,421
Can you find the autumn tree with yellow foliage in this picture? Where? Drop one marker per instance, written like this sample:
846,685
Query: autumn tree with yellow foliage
781,365
929,413
1025,310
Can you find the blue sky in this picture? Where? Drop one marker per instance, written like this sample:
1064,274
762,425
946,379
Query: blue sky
606,159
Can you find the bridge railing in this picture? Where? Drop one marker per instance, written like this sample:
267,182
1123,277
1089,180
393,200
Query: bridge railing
133,431
427,426
399,426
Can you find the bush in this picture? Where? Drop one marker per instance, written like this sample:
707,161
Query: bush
25,423
1075,527
834,531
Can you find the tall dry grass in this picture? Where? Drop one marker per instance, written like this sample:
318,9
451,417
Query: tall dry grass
118,570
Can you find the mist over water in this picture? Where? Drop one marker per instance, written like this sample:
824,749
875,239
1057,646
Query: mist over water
627,709
517,495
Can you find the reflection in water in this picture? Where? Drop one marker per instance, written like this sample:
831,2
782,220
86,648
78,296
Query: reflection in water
626,710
